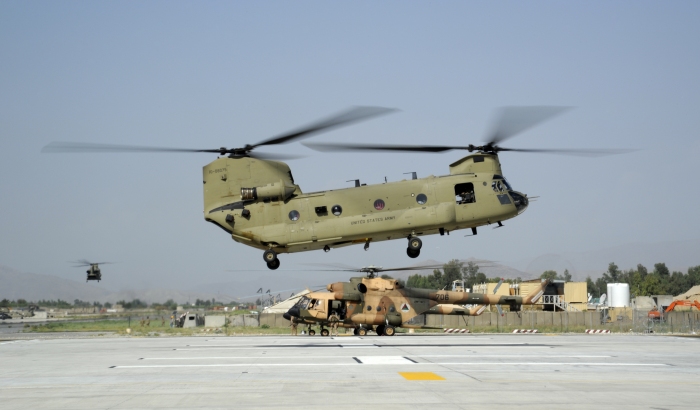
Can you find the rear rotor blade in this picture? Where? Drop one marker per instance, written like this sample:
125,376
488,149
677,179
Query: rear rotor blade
575,152
353,115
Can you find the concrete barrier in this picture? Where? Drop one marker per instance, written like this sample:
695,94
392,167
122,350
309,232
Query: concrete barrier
214,321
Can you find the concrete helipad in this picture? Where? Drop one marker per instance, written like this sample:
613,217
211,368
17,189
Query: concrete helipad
408,372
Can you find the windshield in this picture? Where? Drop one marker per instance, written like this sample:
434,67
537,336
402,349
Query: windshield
500,183
302,303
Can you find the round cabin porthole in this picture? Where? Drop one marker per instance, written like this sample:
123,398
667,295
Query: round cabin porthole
379,308
379,204
337,210
369,307
294,215
421,199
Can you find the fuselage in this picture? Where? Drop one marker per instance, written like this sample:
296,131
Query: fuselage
279,215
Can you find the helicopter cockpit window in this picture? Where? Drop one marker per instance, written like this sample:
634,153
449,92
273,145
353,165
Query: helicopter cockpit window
303,303
503,180
464,193
294,215
421,199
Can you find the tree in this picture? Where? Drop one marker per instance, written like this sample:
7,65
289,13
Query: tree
549,274
472,276
592,288
566,277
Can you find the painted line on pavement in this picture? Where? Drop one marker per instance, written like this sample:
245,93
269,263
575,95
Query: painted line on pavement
393,364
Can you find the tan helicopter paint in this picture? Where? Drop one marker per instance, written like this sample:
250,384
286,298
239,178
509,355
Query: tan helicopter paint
269,225
386,302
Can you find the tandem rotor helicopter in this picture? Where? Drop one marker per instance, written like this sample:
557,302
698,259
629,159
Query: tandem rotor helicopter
253,196
93,273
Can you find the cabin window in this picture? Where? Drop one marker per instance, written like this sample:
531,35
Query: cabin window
464,193
369,307
379,204
392,309
294,215
337,210
421,199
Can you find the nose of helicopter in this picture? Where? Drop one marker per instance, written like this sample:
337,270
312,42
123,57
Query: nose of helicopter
292,312
520,201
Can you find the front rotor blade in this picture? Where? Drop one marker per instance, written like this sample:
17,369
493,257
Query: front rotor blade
426,267
514,120
273,157
344,118
323,147
575,152
87,147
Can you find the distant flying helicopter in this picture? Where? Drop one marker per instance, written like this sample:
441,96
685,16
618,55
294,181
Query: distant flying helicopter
93,272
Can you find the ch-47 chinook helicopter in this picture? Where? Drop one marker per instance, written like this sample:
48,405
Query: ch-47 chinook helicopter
93,272
254,198
372,303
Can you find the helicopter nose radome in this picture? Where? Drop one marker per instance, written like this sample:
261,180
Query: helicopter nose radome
520,200
293,312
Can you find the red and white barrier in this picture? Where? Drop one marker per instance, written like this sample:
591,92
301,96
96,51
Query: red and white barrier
597,331
525,331
455,330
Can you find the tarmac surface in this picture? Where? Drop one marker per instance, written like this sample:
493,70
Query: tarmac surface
401,372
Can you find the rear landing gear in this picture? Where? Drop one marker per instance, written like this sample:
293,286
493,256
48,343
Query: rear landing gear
414,245
270,257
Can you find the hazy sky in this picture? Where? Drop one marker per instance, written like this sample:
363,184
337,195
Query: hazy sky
211,74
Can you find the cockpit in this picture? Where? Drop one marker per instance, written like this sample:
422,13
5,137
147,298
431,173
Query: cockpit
501,187
305,303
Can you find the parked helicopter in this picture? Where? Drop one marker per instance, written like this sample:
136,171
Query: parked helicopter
255,199
93,273
372,303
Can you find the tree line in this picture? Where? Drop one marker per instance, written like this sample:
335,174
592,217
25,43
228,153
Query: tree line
451,271
660,281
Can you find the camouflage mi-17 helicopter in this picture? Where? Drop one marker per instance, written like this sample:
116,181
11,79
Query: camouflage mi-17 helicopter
383,304
93,272
254,198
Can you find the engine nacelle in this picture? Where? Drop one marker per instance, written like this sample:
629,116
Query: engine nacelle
275,189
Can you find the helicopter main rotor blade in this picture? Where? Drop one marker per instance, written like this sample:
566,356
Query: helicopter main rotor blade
330,147
89,147
514,120
576,152
346,117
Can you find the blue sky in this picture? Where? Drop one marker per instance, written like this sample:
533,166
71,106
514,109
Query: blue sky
211,74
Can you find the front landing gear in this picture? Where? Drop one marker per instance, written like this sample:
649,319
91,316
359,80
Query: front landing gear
414,245
270,257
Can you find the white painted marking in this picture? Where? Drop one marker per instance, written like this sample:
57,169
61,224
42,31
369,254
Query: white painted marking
358,346
406,362
473,356
384,360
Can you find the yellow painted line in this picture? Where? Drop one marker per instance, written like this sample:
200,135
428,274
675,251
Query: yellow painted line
421,376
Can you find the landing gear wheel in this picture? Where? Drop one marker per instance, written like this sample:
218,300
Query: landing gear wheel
324,332
362,331
312,332
389,331
415,244
412,254
355,332
269,256
380,330
274,264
